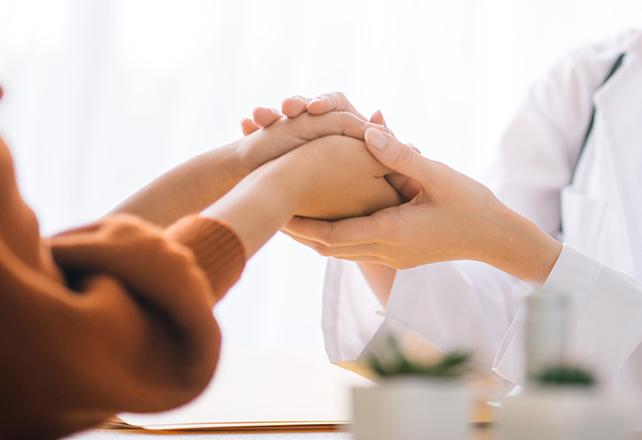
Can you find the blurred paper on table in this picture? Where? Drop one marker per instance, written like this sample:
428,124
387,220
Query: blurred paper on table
264,389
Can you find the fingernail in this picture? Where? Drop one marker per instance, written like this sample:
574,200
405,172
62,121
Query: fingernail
312,101
376,126
376,139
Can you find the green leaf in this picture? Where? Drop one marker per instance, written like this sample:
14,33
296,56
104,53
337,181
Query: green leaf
451,366
565,375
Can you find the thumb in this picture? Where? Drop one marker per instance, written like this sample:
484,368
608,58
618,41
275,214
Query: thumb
397,156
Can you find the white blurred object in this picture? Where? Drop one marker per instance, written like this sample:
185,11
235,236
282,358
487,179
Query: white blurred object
412,408
264,388
564,414
546,329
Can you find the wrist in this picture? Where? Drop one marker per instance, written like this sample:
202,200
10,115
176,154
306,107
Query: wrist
282,185
240,159
248,152
220,169
256,208
520,247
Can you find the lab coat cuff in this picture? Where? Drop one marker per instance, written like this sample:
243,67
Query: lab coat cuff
574,274
605,325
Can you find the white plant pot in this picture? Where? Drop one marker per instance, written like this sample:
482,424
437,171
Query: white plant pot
568,414
412,409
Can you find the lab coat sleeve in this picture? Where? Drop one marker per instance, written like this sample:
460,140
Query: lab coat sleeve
606,329
454,305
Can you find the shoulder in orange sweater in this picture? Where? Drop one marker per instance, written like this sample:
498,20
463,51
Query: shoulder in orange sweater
115,316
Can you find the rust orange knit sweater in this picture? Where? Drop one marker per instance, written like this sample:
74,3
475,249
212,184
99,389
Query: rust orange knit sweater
115,316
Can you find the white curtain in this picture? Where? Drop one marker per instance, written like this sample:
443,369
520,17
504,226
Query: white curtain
102,96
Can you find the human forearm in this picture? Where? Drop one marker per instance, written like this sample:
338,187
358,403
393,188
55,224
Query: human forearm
197,183
259,206
188,188
452,217
331,177
380,278
517,246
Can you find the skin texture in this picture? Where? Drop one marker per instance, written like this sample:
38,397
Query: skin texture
447,216
379,277
196,184
297,166
339,179
332,177
453,217
266,180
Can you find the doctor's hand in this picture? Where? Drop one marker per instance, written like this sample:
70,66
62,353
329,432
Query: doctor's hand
452,217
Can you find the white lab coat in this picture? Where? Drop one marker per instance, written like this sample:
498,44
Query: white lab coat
469,304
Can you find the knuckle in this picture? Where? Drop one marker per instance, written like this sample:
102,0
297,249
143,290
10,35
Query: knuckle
347,122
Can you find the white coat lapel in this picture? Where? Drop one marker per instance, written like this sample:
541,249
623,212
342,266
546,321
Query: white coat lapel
619,106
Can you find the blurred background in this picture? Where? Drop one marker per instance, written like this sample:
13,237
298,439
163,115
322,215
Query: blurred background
104,95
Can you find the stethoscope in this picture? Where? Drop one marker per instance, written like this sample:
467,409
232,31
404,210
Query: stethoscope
589,128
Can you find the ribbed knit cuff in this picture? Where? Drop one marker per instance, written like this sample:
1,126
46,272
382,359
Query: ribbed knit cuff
217,249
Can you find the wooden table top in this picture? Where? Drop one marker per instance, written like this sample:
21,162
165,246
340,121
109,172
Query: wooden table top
99,434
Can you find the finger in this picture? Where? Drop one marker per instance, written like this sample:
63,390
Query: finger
248,126
265,117
377,118
349,232
401,158
379,127
363,250
294,106
367,259
332,102
407,187
308,127
414,148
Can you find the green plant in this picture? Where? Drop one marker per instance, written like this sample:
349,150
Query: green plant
565,375
451,366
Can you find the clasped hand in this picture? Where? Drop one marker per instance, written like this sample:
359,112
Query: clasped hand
326,176
446,215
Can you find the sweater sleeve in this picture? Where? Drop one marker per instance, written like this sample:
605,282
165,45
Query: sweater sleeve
126,326
218,250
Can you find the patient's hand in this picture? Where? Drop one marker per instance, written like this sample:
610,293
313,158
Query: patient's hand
286,134
328,178
334,177
294,106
